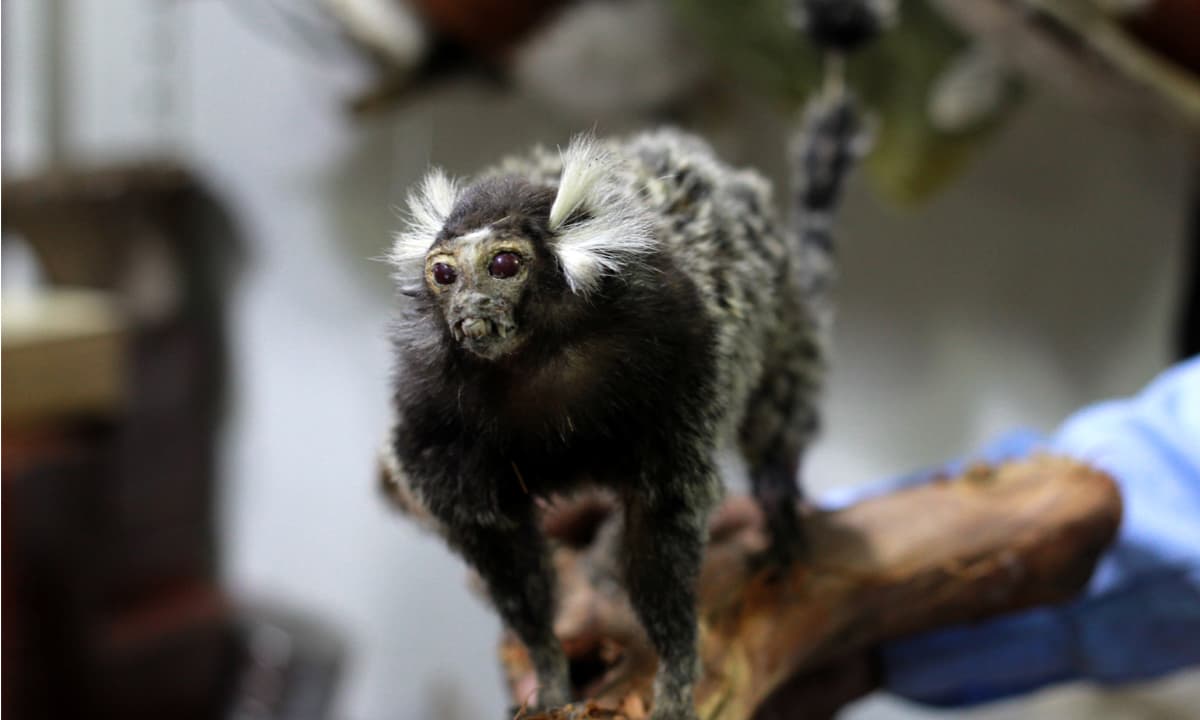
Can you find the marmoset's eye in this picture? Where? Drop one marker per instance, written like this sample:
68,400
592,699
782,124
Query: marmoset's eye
504,265
444,274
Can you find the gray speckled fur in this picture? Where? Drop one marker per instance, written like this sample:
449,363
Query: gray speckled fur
764,291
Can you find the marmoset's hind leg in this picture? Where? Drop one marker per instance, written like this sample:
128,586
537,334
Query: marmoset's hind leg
781,417
514,561
781,422
776,486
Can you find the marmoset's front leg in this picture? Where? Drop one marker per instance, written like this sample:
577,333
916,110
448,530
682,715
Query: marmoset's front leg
448,488
663,547
513,559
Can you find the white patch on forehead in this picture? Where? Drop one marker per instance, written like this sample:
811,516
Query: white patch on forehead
470,245
475,236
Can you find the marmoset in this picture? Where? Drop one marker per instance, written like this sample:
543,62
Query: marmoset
612,315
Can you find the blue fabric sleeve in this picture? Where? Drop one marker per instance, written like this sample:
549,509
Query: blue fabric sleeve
1140,614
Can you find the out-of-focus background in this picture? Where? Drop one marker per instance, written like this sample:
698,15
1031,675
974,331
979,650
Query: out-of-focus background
195,324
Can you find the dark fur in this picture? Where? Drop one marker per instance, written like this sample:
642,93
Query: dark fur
601,396
515,411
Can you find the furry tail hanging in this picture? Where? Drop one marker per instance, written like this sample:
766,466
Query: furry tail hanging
829,142
832,136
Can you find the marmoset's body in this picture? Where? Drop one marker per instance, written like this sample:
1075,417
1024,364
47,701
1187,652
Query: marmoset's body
614,315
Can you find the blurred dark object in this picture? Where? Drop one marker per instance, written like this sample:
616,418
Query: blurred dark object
841,25
588,57
114,372
287,666
1171,28
433,40
1189,316
488,28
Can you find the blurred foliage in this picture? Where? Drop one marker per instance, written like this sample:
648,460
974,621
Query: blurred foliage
912,158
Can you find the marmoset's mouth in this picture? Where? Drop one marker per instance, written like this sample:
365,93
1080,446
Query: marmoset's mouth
478,328
487,337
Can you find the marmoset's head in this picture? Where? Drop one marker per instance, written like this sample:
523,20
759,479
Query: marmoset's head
490,256
499,256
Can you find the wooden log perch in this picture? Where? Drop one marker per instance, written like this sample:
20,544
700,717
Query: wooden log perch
955,550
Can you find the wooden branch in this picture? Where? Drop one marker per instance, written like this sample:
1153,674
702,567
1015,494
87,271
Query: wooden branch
990,541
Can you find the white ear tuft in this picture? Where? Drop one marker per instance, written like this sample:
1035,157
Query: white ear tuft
428,207
585,164
613,233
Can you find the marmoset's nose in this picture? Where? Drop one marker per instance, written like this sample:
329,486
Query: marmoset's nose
477,303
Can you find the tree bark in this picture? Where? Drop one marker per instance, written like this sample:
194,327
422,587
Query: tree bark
955,550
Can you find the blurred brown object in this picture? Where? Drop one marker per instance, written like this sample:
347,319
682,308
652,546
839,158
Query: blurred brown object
489,28
956,550
585,58
1138,64
64,351
1170,28
112,394
461,38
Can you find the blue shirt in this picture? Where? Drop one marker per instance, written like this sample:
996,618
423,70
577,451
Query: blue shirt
1139,616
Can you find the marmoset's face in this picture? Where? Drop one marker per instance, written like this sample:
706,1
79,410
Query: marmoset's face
479,278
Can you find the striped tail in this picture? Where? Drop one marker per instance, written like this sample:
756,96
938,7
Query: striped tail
829,143
825,150
831,137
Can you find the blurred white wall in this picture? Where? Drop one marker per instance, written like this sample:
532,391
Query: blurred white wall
1043,280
